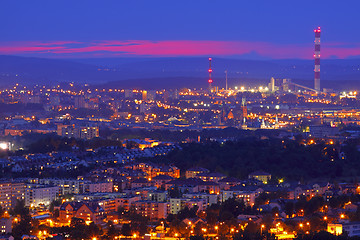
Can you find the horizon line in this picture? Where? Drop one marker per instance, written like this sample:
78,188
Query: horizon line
176,48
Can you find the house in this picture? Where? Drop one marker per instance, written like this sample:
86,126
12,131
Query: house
192,172
151,209
40,195
193,221
126,202
352,228
246,193
228,182
28,237
269,207
211,177
141,182
347,188
320,188
153,170
193,185
6,237
177,204
87,211
157,196
208,198
160,180
261,176
95,187
351,207
5,225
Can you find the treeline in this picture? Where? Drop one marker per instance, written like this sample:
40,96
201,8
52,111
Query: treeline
19,107
178,136
282,158
102,111
44,143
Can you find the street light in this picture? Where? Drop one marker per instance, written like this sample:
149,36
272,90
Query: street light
261,228
163,226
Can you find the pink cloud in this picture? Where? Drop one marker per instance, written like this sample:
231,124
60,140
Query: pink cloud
55,43
175,48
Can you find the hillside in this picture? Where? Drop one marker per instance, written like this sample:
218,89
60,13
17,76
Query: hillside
173,72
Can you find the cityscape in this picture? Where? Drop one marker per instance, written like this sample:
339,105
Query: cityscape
181,135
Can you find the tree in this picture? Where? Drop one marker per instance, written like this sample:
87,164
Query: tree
212,214
197,237
230,209
138,222
131,144
322,235
126,229
111,231
23,227
53,204
187,213
78,230
93,230
289,208
175,192
121,212
2,211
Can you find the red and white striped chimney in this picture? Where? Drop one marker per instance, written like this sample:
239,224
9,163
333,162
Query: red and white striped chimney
210,71
317,60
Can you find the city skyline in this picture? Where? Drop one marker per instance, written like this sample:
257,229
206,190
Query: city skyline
179,120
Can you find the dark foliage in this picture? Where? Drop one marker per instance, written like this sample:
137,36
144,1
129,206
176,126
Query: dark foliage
282,158
24,226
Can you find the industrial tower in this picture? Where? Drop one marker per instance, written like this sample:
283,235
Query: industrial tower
317,60
210,71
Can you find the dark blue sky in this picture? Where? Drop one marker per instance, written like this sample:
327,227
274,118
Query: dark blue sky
77,27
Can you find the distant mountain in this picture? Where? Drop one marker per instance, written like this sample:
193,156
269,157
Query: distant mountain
171,72
331,69
40,70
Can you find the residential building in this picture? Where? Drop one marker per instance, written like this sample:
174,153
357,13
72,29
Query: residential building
5,195
127,201
66,186
352,228
192,172
151,209
261,176
5,225
39,195
10,192
87,211
99,187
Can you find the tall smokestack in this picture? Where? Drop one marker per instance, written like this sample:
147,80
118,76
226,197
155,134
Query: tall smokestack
317,60
210,71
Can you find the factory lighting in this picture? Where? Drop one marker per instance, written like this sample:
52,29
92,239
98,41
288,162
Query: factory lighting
4,146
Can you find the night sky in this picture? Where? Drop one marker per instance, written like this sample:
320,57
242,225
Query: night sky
115,28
